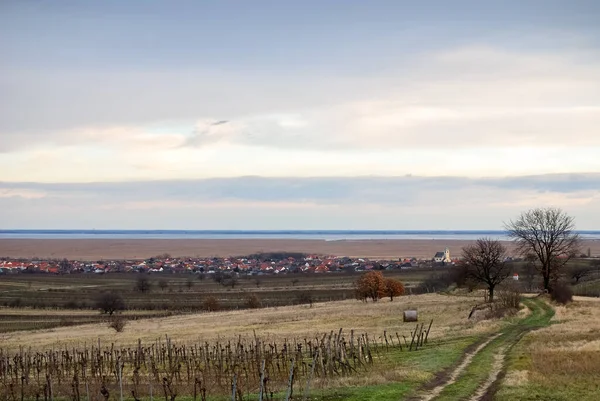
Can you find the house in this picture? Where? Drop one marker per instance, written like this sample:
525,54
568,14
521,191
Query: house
442,257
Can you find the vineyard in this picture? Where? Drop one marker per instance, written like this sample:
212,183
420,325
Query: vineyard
245,369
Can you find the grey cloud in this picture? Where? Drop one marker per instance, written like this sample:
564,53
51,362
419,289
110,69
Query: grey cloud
344,190
297,203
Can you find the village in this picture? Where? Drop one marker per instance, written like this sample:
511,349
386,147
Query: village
258,264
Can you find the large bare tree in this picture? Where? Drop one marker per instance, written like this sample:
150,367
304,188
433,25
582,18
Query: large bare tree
484,262
548,234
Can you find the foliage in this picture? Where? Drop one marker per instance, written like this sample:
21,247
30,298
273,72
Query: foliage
393,288
211,304
562,293
374,286
484,262
253,302
548,234
370,285
439,281
118,323
110,302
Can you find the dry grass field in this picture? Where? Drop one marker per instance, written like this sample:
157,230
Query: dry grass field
551,362
561,361
449,314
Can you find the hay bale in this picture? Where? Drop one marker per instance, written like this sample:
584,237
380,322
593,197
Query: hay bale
411,315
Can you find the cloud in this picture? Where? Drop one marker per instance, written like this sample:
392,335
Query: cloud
465,97
322,190
294,202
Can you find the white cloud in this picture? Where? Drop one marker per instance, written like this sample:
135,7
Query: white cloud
470,111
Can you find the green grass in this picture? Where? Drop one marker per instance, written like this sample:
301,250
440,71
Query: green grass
423,365
479,369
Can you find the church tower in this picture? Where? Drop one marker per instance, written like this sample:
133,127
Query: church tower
447,256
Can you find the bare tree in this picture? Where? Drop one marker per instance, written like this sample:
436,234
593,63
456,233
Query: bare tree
549,234
110,302
578,272
484,262
142,284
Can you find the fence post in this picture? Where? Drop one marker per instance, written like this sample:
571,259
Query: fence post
261,388
290,388
429,328
120,378
233,387
312,371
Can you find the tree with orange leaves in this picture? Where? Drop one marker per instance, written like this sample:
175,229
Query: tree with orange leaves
370,285
393,288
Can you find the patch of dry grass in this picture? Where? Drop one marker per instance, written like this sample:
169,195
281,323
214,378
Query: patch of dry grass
448,312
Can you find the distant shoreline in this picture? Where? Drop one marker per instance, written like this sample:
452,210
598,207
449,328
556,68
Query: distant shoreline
96,249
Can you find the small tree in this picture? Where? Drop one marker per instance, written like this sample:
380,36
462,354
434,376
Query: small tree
549,234
484,263
211,304
110,302
253,302
530,272
163,284
189,284
230,281
578,272
370,285
393,288
118,324
142,284
306,297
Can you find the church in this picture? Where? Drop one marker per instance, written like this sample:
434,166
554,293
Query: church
442,257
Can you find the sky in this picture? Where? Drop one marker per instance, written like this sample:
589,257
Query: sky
297,115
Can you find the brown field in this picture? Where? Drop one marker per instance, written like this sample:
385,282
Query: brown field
300,321
144,248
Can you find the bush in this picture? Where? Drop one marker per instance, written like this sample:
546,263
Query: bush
211,304
509,296
72,304
562,294
15,303
253,302
305,297
118,323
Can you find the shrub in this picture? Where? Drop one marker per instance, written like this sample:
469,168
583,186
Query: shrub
15,303
211,304
562,294
509,296
72,304
305,297
253,302
118,323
